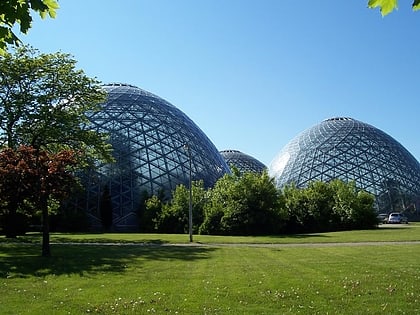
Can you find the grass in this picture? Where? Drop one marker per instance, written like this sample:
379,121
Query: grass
212,279
385,233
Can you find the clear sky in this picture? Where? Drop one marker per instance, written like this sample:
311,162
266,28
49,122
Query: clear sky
252,74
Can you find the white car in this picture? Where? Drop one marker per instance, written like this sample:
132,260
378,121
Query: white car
396,217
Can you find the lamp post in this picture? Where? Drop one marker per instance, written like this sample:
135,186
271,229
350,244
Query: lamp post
190,224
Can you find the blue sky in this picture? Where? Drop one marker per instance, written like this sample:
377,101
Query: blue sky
252,74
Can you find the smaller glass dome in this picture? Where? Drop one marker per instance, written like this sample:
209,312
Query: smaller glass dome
243,162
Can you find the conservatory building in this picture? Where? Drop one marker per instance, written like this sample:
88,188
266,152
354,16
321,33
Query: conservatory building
156,147
242,162
351,150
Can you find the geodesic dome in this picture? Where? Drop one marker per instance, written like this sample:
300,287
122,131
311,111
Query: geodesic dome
243,162
351,150
154,145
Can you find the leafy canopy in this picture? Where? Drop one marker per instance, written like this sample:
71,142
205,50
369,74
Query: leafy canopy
30,173
45,102
18,12
387,6
45,132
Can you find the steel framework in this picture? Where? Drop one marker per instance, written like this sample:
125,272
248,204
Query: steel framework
351,150
148,136
243,162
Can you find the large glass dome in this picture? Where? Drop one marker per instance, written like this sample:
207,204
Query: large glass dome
243,162
154,144
351,150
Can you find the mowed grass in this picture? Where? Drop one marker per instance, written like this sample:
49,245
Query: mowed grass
211,278
384,233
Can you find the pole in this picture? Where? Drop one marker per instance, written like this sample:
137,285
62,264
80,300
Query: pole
190,221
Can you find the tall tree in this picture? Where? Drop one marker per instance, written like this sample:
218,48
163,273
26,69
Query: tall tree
19,12
45,102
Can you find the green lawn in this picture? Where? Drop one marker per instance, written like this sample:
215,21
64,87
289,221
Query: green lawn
213,279
391,232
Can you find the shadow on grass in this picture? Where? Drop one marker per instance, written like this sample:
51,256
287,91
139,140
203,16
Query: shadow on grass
91,238
24,260
105,240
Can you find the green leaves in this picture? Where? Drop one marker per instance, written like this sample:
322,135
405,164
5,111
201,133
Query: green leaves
246,204
331,206
51,8
387,6
19,13
46,103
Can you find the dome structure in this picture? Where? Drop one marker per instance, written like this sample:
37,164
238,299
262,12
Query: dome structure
243,162
351,150
156,146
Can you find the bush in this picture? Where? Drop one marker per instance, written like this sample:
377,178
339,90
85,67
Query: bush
250,204
247,204
332,206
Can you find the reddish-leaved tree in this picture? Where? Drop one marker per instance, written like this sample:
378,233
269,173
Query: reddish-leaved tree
33,175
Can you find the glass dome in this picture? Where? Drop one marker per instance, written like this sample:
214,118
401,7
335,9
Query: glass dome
243,162
154,144
351,150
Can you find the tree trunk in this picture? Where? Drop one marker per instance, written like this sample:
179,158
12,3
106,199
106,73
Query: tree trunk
45,227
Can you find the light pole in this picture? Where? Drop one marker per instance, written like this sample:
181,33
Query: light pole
190,224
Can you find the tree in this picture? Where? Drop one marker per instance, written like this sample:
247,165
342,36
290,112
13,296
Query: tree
28,174
12,190
218,204
19,12
173,217
296,206
387,6
44,104
149,216
150,208
243,204
320,201
354,207
331,206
